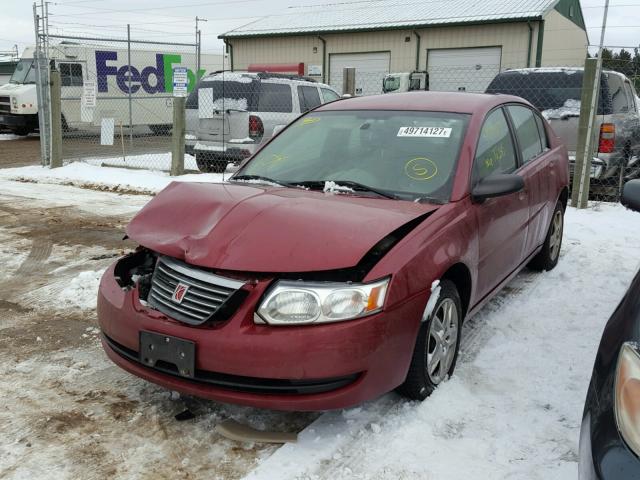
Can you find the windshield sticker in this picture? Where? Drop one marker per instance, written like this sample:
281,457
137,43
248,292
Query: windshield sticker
310,120
437,132
420,168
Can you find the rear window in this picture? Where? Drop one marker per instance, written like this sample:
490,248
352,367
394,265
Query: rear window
558,91
227,94
244,93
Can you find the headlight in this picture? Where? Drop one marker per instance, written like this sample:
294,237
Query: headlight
301,303
627,395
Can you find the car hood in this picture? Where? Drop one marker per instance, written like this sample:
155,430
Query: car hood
250,227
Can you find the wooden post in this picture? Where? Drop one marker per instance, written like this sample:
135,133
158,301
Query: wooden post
56,119
177,138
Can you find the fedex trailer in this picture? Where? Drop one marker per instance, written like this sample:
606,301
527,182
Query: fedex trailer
135,93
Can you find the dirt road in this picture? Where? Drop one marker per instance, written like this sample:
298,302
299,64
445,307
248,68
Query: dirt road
66,411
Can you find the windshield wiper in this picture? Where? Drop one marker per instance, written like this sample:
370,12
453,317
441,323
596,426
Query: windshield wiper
261,178
358,187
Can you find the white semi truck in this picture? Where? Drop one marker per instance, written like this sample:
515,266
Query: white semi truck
150,78
405,82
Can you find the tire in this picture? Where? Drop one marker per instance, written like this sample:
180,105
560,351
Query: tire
160,129
547,258
420,382
207,163
22,131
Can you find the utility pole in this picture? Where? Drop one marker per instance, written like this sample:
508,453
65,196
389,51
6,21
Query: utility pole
198,37
583,188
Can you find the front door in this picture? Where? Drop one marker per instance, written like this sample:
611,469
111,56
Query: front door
502,221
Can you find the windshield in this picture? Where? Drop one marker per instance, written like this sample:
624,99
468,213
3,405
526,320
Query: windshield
390,84
25,72
410,155
548,90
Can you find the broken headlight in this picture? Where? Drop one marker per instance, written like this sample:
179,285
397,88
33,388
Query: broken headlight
136,269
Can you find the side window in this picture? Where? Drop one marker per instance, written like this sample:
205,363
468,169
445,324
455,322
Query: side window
275,97
414,84
620,102
524,123
70,74
329,95
630,96
495,152
309,98
543,133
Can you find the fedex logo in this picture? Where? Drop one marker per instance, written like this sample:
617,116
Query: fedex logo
152,78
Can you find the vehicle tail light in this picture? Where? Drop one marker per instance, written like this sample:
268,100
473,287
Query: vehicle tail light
627,395
607,138
256,129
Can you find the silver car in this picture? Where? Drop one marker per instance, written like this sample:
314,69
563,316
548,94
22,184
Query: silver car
556,92
230,114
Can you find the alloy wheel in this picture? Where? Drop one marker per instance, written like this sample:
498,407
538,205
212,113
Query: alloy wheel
442,340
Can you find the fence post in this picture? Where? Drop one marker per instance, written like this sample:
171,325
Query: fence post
582,167
177,138
349,81
56,119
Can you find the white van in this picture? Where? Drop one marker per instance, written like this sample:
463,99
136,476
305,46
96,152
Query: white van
151,83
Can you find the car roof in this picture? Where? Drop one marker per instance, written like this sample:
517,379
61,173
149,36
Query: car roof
556,70
263,76
454,102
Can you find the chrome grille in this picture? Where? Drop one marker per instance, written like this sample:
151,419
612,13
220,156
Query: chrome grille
5,105
205,294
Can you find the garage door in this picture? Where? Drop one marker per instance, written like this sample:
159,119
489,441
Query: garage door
370,70
462,69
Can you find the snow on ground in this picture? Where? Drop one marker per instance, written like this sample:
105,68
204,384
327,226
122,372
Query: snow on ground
9,136
114,179
513,408
82,290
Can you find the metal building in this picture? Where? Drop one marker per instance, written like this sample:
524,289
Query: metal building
461,43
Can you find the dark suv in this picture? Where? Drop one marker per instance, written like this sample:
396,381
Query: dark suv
556,92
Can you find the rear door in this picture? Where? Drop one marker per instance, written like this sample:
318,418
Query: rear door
309,97
536,168
502,221
275,105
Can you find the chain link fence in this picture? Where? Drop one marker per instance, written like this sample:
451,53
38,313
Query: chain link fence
117,105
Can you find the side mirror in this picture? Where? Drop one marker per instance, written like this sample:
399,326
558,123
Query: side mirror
497,186
631,195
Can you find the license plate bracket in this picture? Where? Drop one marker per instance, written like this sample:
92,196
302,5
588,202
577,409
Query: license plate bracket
157,347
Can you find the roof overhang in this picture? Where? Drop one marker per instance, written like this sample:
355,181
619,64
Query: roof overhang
368,28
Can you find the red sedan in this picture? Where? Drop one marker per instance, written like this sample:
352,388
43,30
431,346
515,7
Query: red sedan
340,261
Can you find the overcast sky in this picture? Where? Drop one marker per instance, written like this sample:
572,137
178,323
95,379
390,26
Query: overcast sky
174,19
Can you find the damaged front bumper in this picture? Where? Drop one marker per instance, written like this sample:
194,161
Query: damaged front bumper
314,367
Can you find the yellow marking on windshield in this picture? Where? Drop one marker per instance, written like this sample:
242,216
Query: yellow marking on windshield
310,120
420,168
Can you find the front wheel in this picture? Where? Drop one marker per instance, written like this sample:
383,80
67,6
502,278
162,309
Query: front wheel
548,257
436,351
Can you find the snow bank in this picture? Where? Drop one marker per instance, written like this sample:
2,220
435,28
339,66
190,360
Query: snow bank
82,290
9,136
100,178
571,108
